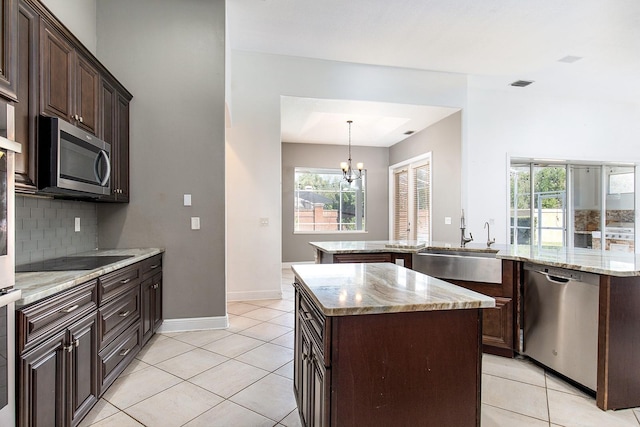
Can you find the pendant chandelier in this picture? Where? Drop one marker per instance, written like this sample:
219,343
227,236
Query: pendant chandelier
348,173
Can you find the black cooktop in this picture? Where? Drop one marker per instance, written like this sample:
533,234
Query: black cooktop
71,263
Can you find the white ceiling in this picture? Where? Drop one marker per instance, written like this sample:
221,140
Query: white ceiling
495,41
375,124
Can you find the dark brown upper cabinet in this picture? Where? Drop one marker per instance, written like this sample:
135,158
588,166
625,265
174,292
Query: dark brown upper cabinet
8,42
69,82
114,129
26,110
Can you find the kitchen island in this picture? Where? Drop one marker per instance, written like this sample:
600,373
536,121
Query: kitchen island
379,344
618,317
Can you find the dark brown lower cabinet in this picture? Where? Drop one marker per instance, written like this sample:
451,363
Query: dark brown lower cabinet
59,377
73,345
151,306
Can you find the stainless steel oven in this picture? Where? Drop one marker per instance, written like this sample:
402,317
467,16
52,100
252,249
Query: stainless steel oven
8,295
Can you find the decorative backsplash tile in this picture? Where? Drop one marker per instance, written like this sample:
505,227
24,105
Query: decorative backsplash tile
45,228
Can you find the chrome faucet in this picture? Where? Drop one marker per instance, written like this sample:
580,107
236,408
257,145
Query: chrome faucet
464,240
490,241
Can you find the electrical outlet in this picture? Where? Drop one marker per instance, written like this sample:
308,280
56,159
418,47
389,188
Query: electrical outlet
195,223
447,220
264,222
77,224
492,221
187,200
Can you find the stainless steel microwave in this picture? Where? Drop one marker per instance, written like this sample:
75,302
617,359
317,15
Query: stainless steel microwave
72,162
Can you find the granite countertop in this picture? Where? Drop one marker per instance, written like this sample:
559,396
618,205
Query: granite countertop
589,260
609,263
352,289
39,285
400,246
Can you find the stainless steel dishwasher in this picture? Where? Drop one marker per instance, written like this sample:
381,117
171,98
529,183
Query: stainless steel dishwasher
561,321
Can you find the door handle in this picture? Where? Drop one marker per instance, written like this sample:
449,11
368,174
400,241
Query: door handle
96,165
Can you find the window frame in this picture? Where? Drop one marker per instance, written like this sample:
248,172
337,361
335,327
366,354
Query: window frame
339,174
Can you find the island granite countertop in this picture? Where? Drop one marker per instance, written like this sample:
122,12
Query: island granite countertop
373,288
39,285
621,264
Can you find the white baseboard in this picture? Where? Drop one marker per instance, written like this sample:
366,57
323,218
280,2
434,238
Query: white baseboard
194,324
253,295
289,264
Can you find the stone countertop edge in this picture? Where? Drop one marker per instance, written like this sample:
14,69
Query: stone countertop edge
39,285
372,288
619,264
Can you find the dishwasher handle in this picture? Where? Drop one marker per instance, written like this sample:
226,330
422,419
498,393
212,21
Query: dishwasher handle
556,279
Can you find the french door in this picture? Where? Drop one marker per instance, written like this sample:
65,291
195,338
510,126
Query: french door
411,200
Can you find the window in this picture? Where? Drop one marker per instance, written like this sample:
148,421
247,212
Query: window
581,205
325,202
621,183
411,200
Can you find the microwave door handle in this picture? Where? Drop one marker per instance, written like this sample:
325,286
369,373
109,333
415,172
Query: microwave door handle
96,169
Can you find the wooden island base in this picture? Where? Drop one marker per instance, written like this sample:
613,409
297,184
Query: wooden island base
404,369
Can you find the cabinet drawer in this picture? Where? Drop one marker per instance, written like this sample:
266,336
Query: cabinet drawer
151,266
120,281
45,317
117,315
115,357
312,320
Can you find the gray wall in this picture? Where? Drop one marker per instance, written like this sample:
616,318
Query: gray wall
170,55
45,228
295,247
444,141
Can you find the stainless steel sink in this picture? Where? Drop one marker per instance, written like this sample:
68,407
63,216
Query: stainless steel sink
470,266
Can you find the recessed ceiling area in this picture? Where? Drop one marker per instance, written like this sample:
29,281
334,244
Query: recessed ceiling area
375,124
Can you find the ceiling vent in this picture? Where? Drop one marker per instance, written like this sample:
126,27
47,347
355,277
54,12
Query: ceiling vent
410,132
570,59
521,83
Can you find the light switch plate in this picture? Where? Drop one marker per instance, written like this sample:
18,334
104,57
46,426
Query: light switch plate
77,224
447,220
187,199
195,223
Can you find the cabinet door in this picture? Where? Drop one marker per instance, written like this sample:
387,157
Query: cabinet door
156,317
83,367
26,109
57,59
497,327
306,380
42,383
86,102
318,385
107,130
8,66
122,149
151,306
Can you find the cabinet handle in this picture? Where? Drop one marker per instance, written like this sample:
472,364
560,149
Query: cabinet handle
124,313
125,281
81,119
68,348
155,286
124,352
154,266
306,315
77,342
75,116
70,309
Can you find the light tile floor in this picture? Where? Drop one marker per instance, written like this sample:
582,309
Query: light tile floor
242,377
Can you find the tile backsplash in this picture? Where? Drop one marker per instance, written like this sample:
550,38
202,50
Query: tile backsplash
45,228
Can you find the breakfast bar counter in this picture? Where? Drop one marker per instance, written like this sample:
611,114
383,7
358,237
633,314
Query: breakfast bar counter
379,344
